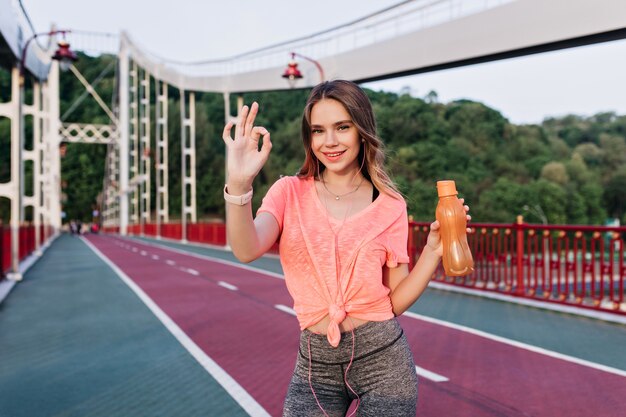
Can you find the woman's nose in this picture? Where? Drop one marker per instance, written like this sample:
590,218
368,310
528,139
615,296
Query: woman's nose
330,139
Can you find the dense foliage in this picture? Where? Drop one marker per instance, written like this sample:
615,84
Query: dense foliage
571,168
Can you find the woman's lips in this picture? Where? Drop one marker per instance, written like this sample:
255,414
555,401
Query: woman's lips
333,156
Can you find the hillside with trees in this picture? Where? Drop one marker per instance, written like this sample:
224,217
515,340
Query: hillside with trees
572,168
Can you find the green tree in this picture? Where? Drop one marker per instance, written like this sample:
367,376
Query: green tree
555,172
614,195
500,203
551,197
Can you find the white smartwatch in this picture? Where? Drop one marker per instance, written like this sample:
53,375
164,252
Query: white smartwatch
240,200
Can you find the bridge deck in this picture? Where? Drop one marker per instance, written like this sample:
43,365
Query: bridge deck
185,332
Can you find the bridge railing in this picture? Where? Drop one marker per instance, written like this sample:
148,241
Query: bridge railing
5,249
393,21
211,233
582,266
27,243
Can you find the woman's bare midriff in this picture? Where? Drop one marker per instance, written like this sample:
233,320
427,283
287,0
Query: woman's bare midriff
348,324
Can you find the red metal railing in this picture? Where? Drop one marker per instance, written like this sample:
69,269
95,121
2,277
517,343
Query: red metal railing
584,266
27,240
5,249
110,229
26,243
172,231
213,233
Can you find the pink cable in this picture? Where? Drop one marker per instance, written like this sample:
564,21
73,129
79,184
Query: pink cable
310,384
345,376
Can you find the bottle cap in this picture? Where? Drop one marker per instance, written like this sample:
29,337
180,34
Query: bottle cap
446,188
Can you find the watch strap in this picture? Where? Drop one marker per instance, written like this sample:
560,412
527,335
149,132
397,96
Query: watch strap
240,200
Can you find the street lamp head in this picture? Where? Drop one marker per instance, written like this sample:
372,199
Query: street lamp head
64,55
292,73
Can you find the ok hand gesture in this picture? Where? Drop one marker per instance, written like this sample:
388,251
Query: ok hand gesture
244,160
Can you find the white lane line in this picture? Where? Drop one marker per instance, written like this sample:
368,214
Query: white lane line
243,398
170,262
134,249
155,257
143,253
598,315
227,285
192,271
430,375
517,344
218,260
286,309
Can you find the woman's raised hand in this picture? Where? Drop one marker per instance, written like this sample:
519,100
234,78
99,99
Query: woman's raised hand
245,160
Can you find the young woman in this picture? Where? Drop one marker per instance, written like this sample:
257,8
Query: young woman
343,232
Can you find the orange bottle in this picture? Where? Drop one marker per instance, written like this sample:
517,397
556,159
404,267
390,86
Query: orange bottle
457,257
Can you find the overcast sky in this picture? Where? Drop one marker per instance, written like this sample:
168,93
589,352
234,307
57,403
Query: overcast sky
584,80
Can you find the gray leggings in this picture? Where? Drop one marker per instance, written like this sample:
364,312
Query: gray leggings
382,374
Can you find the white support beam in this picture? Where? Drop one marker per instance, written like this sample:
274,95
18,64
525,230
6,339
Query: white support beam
145,149
53,140
34,200
38,149
106,187
134,140
162,166
188,155
110,203
11,189
88,133
123,139
45,160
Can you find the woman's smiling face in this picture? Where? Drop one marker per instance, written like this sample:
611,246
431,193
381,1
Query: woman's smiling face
334,137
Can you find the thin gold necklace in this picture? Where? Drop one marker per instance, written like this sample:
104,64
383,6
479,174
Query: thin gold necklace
338,196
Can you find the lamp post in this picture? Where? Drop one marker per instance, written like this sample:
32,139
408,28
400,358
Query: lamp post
293,74
537,211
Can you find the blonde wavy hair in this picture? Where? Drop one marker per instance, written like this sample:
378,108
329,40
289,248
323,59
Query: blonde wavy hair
372,152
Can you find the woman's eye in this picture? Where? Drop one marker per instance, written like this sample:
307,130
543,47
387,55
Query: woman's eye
314,131
344,127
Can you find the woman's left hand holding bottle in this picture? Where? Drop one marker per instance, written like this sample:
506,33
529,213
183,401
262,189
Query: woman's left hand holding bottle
434,237
244,159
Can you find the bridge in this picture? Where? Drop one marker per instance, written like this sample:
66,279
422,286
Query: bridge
156,317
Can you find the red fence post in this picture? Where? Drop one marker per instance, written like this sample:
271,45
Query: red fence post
520,255
411,243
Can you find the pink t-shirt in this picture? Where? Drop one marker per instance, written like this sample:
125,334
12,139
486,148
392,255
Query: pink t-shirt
346,282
